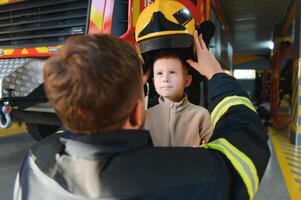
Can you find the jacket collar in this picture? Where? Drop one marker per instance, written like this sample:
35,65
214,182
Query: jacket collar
96,145
176,106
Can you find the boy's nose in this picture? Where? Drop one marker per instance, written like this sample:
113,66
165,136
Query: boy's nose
165,78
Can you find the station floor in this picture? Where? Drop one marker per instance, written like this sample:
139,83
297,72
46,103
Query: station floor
281,181
282,178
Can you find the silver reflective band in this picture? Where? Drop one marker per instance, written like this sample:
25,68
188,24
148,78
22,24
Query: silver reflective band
223,106
242,163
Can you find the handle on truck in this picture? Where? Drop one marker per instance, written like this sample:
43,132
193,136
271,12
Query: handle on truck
5,113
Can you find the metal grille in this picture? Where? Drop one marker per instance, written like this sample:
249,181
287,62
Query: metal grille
120,17
41,23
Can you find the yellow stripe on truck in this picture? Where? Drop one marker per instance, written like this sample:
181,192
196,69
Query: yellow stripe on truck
96,17
42,49
8,52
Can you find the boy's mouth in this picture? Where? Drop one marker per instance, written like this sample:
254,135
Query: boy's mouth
166,87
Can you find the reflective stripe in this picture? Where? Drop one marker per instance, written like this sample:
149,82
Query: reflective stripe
241,162
223,106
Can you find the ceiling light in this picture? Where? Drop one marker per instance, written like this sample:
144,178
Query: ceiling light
270,45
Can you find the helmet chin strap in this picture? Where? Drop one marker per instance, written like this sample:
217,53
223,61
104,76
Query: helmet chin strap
146,96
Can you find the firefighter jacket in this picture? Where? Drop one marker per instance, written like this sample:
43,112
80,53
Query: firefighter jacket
124,165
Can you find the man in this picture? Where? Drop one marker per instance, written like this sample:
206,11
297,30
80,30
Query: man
95,86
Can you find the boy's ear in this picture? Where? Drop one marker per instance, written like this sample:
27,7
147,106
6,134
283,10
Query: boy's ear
188,80
145,76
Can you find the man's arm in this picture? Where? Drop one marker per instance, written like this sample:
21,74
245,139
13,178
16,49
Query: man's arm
238,132
235,119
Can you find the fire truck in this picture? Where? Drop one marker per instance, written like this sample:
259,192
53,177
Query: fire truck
33,30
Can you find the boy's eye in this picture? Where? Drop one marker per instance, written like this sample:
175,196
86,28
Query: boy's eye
172,72
159,73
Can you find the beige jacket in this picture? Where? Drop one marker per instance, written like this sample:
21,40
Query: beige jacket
178,124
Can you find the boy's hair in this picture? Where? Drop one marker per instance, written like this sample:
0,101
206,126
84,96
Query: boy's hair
171,53
183,53
94,83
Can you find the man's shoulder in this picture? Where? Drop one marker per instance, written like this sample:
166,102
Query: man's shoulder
168,171
188,157
50,142
45,150
184,166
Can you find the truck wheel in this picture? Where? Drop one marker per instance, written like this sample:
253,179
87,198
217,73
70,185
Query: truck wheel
40,131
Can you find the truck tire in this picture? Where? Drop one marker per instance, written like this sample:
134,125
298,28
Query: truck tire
40,131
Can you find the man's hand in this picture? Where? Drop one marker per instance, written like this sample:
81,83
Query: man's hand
207,64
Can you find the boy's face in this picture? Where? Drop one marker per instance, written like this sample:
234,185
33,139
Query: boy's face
170,79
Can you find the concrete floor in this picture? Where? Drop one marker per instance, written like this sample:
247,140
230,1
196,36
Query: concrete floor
12,151
272,185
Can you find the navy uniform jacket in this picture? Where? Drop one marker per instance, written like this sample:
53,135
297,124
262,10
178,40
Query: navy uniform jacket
124,164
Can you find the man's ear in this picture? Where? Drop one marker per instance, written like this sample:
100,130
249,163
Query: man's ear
136,118
188,80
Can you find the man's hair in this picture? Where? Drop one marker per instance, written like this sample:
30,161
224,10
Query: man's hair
171,53
93,84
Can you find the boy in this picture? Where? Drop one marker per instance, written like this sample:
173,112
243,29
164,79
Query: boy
175,121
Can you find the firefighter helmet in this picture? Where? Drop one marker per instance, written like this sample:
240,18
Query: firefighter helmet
164,24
